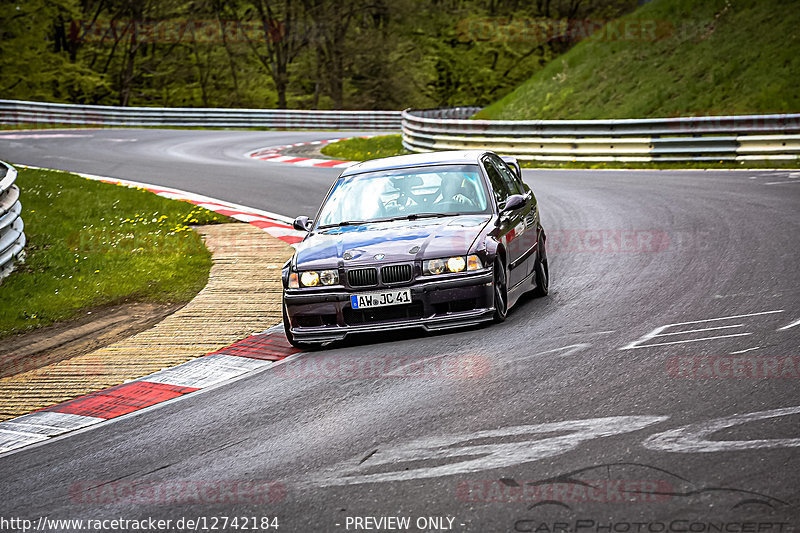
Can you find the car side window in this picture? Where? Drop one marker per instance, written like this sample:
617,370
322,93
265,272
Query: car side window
499,186
512,182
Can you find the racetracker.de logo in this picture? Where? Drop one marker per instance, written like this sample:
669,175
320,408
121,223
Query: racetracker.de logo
607,241
176,31
542,30
756,367
389,367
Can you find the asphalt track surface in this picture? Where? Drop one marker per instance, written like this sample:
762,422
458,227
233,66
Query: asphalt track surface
531,413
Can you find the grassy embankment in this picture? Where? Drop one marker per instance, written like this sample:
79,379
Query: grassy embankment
708,58
92,244
701,58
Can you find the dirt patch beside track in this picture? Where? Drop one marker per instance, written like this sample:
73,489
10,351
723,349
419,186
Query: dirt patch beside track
97,328
242,297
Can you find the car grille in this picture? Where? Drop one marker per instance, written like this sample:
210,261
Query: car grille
353,317
396,273
363,277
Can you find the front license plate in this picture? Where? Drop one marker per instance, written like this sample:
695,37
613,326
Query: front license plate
380,299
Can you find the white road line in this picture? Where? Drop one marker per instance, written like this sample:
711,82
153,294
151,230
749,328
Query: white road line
690,340
780,182
727,317
571,349
745,350
697,438
639,343
698,330
793,324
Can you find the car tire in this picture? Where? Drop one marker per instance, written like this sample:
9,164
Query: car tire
541,272
289,337
500,291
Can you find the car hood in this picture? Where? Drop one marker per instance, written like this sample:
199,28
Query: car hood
397,241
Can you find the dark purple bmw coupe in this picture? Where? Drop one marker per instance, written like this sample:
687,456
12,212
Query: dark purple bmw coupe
433,241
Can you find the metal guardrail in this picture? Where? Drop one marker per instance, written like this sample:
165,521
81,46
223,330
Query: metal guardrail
715,138
12,236
23,112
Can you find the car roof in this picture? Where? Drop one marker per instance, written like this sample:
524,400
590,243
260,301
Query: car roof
415,160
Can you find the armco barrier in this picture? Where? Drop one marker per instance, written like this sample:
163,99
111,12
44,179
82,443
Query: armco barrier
12,236
716,138
22,112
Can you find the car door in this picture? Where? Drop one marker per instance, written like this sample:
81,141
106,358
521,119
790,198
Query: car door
529,236
512,225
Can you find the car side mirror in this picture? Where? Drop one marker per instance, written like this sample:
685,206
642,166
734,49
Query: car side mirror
302,224
514,202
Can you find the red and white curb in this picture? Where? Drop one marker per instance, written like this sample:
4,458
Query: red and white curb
240,358
273,154
255,352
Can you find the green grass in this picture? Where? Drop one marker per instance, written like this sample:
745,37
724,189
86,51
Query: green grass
92,244
712,57
364,149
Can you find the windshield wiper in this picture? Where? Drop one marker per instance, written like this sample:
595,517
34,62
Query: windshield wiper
415,216
411,216
346,223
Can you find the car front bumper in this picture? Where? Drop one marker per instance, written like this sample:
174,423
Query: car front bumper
455,301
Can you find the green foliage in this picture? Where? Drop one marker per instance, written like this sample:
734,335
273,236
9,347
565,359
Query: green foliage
364,149
351,54
31,68
712,58
93,244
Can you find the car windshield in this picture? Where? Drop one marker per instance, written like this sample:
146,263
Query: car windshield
419,192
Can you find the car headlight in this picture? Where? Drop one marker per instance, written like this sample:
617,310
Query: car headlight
434,266
315,279
456,264
309,279
329,277
452,264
